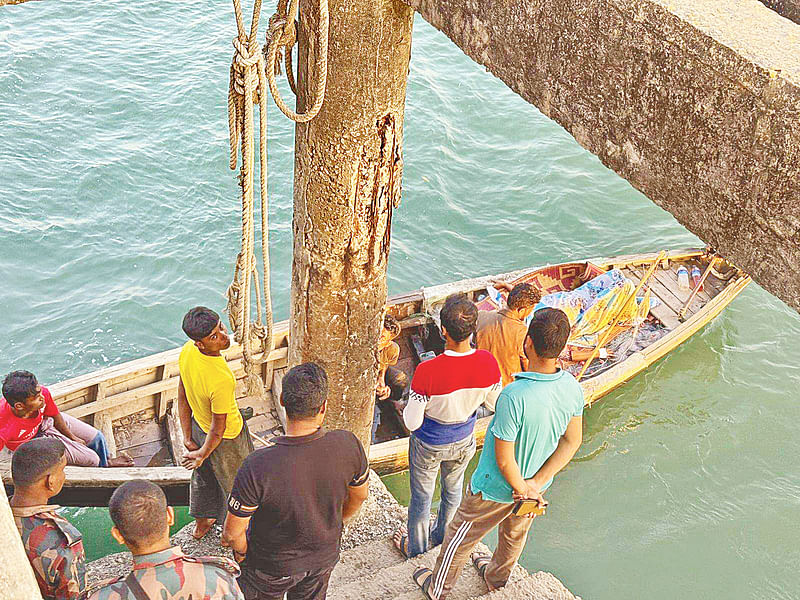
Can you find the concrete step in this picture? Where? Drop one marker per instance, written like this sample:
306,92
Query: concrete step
538,586
364,560
394,581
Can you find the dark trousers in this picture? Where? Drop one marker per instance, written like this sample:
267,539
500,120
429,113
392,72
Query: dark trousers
258,585
212,482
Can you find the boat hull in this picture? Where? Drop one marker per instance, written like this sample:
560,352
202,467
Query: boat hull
149,384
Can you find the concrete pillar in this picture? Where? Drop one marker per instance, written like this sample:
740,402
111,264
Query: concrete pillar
348,169
17,581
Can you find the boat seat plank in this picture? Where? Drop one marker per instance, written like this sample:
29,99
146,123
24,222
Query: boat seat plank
663,293
671,276
662,312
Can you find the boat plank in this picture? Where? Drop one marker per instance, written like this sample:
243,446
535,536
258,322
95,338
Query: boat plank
671,280
664,294
175,434
118,372
662,312
714,286
150,389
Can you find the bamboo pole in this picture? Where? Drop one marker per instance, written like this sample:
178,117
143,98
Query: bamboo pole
697,288
17,581
631,298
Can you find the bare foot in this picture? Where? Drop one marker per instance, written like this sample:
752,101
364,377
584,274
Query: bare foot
202,527
123,460
400,539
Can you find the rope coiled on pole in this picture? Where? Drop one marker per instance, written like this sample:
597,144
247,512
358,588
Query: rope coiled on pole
250,75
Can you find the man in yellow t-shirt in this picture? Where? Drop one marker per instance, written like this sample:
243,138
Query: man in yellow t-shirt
214,433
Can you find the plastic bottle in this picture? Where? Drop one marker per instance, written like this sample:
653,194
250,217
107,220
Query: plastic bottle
696,277
683,278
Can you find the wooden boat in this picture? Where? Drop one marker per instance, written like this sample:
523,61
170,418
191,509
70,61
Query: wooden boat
133,402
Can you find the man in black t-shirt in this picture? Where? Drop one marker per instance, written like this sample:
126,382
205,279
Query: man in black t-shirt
289,500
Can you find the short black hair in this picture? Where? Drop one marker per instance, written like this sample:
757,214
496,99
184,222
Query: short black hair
139,511
199,322
18,386
523,295
391,325
549,332
35,459
459,317
305,388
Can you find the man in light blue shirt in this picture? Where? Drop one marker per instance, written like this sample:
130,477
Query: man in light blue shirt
536,430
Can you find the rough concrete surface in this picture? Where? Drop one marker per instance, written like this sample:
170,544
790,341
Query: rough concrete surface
786,8
380,517
695,102
370,568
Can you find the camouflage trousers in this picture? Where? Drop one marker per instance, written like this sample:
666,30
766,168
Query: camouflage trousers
211,484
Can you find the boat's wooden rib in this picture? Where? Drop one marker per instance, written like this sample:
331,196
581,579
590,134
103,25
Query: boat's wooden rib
133,402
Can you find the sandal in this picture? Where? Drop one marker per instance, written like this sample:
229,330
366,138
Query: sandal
423,578
480,561
401,542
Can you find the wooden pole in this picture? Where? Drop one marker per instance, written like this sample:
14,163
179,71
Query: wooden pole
348,168
17,581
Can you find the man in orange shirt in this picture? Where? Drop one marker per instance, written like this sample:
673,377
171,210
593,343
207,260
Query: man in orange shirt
502,332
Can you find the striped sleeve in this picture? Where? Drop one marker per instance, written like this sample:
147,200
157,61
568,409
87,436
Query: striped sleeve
246,493
418,397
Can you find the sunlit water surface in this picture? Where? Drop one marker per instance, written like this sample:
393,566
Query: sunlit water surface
118,212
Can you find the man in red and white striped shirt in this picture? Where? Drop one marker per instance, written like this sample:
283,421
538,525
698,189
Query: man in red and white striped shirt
446,393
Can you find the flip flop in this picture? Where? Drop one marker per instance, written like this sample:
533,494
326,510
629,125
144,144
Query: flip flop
402,545
481,560
422,577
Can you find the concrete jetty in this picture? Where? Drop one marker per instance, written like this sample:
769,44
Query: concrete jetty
695,102
370,567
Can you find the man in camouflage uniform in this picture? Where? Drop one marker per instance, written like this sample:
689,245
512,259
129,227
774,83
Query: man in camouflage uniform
53,545
141,521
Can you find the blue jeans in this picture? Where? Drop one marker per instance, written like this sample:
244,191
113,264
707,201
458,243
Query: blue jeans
424,463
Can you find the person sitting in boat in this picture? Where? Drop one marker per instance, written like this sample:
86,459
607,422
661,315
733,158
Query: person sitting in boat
214,433
142,520
53,545
446,393
28,411
502,332
392,381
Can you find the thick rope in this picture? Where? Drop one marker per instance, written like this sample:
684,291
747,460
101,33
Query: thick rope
281,36
249,78
248,84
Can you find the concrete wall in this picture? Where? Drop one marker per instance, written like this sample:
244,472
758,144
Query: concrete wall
695,102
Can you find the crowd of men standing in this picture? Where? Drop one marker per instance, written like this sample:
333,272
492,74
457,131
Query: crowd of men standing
283,507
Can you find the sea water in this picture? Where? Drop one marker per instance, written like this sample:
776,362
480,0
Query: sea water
118,212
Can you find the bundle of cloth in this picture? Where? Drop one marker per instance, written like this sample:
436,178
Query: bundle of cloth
591,308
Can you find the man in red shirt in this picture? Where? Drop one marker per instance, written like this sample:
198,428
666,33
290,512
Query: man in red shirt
446,393
27,411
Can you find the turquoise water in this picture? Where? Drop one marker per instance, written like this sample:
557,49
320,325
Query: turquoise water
118,212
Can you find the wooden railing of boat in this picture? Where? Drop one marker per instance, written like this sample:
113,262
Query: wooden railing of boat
150,384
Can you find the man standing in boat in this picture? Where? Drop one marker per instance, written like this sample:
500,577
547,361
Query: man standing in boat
214,432
446,392
535,432
502,332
